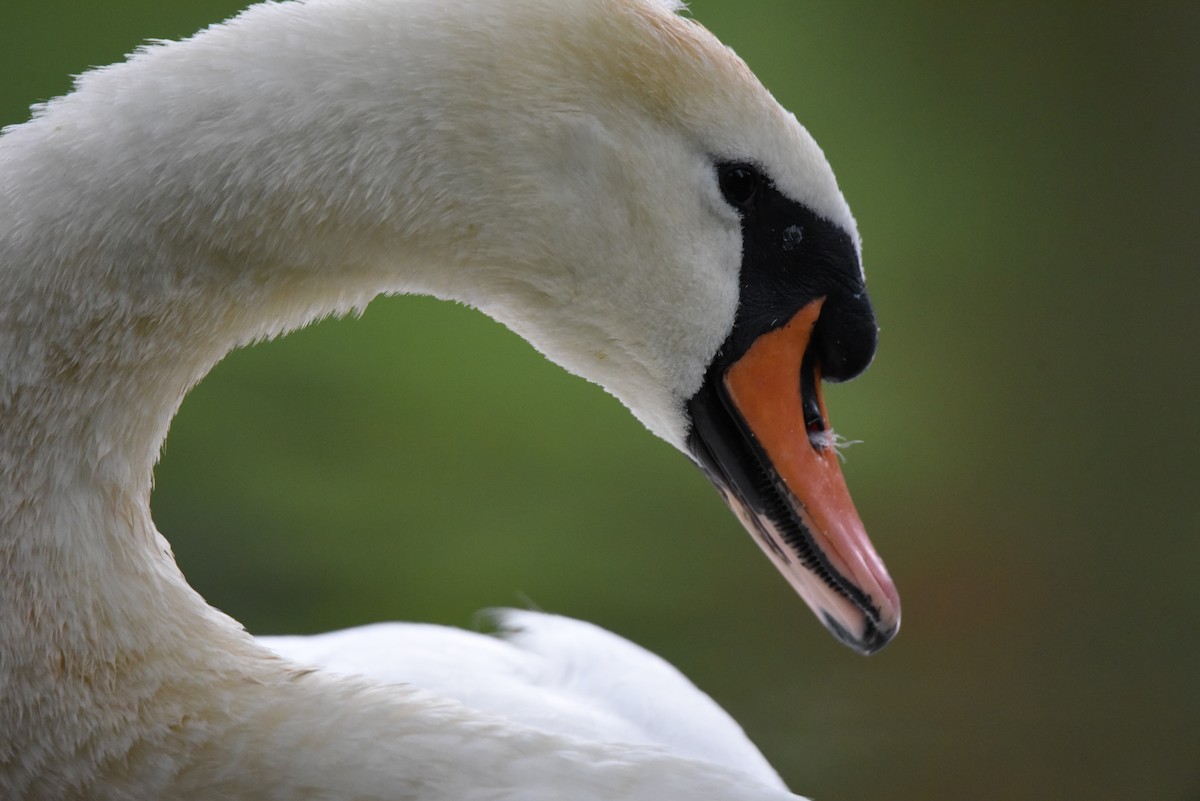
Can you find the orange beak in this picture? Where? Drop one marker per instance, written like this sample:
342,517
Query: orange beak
770,450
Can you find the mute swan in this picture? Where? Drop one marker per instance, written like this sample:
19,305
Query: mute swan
602,176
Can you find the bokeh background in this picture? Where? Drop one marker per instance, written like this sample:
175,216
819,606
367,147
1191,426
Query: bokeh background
1026,180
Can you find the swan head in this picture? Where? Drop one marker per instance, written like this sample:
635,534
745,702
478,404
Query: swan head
691,252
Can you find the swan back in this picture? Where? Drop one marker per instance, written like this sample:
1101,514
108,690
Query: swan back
552,673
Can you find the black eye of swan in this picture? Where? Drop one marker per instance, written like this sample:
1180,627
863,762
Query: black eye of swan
739,184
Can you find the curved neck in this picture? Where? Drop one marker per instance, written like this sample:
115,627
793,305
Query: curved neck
205,194
198,197
107,657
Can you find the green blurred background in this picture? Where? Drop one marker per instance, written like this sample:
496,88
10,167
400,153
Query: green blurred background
1026,182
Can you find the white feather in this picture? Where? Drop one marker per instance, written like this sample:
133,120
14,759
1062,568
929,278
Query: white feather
549,672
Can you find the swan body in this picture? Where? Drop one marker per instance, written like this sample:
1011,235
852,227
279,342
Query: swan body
602,176
544,671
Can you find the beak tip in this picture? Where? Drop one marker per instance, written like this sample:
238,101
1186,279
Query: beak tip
871,640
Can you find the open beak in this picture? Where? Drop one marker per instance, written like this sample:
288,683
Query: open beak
763,437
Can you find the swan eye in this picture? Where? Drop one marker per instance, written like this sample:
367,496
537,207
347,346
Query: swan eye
739,184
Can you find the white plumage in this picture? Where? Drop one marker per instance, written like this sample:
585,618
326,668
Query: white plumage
549,672
547,161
